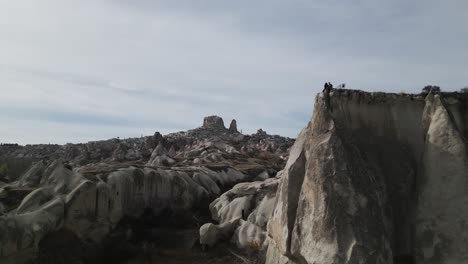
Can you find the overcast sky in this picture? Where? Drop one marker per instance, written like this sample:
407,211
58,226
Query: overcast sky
75,71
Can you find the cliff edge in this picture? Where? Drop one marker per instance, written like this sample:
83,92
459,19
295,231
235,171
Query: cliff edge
375,178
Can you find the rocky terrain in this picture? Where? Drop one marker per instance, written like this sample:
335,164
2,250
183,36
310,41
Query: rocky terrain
87,193
373,178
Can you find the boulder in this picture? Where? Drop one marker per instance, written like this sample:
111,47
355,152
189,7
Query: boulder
245,209
249,236
210,234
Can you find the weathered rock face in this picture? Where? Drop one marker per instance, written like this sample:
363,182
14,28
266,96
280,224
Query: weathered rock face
213,122
243,213
233,126
87,189
375,178
91,208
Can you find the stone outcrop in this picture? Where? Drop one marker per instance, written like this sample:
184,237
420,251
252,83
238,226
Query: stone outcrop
233,126
87,189
91,208
375,178
242,214
212,140
261,132
213,122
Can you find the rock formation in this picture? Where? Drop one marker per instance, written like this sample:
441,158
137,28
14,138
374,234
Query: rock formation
233,126
90,208
213,122
210,138
375,178
89,189
242,214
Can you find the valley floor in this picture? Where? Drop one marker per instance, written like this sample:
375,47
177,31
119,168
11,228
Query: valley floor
168,256
179,246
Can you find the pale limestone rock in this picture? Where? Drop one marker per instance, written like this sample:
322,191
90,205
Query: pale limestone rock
249,236
211,234
441,236
252,201
354,197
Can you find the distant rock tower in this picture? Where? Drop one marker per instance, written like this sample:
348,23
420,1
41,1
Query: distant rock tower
233,126
261,132
213,122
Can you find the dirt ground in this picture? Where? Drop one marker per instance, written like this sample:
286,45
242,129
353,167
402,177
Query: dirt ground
167,256
181,247
163,245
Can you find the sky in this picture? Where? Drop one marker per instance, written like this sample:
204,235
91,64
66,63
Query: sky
77,71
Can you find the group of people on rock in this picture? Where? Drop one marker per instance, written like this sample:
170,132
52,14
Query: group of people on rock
327,87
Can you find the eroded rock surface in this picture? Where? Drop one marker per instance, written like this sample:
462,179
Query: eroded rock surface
233,126
375,178
211,142
87,189
242,213
213,122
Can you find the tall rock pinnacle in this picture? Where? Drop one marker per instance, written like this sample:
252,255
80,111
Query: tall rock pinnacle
233,126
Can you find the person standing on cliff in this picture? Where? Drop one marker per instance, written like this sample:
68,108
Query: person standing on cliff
327,87
326,92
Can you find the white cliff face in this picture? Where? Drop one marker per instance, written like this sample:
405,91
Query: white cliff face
287,195
441,216
376,178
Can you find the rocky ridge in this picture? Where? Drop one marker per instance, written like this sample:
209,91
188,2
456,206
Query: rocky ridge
89,189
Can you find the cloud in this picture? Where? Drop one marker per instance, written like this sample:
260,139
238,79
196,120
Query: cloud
126,67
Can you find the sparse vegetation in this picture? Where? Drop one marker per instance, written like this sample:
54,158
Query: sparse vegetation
431,88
